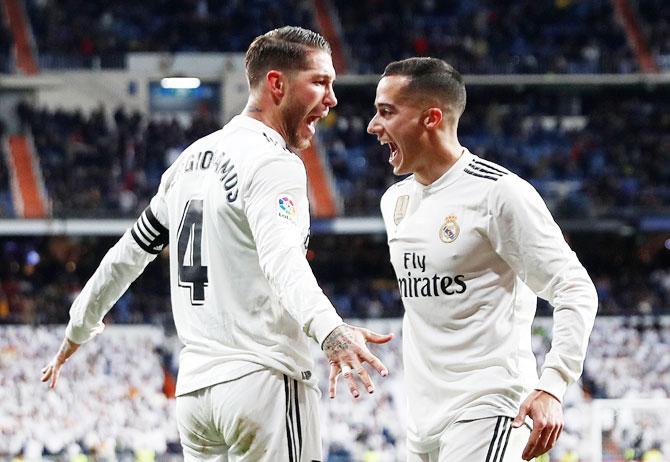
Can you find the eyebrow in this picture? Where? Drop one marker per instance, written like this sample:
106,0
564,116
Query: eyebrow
384,105
323,75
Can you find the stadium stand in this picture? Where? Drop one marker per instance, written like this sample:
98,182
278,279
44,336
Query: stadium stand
39,277
6,207
655,24
99,167
589,153
75,33
121,405
488,37
479,36
5,45
111,401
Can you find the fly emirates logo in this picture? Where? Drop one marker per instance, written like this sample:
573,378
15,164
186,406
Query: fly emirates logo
419,284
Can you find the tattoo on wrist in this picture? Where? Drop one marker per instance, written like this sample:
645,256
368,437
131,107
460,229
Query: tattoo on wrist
337,341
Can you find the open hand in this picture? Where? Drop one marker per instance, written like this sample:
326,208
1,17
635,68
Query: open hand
346,350
52,370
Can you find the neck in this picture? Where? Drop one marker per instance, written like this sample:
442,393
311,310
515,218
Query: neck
265,114
440,153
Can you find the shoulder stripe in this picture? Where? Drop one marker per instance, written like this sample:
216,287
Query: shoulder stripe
494,178
149,233
484,170
492,167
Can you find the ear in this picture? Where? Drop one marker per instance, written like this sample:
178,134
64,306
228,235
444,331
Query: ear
276,84
432,117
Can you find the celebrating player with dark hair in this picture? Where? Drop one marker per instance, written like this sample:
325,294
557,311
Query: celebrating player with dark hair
233,208
473,245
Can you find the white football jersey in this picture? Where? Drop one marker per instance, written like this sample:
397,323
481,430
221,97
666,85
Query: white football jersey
470,252
234,210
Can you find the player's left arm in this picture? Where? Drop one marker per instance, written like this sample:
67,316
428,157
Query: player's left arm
526,236
122,264
281,256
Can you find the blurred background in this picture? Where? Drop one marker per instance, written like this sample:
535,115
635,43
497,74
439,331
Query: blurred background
98,98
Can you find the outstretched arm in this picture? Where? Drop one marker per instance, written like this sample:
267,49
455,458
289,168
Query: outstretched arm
122,264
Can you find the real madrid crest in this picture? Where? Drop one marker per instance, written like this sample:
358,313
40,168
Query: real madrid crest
400,209
449,230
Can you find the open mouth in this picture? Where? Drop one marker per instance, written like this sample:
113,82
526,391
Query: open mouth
393,148
311,122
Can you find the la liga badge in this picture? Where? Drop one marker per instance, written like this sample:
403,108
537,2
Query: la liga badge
286,207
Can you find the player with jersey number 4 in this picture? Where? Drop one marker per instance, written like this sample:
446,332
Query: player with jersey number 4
473,245
233,209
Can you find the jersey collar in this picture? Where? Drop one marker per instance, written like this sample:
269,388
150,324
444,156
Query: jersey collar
450,176
258,126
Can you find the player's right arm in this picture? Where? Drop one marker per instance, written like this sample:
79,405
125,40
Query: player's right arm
280,247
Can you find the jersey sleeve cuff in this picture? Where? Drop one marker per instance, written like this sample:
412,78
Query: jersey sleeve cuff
324,324
553,383
81,335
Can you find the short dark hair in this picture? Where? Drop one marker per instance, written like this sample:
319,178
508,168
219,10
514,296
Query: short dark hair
432,78
282,49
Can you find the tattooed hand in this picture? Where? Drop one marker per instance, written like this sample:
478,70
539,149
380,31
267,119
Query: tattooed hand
346,351
52,370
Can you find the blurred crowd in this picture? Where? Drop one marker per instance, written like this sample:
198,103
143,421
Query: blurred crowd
96,165
109,400
488,37
113,396
6,42
482,36
73,32
600,153
655,15
41,276
479,36
589,154
6,206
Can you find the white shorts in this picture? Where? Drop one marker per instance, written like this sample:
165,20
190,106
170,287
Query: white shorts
482,440
263,416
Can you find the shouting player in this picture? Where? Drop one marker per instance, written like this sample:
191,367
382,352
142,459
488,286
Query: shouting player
233,209
472,245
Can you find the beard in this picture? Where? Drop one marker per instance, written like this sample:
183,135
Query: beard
294,117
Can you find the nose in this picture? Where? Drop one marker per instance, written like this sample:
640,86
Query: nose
330,100
373,126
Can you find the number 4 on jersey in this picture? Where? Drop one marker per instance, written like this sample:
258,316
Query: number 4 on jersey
193,275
